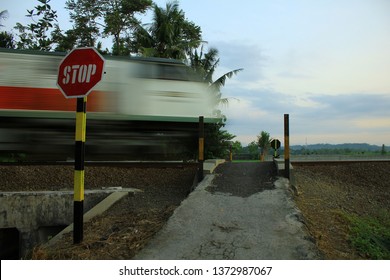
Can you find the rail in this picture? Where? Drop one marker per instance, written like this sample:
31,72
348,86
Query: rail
138,164
306,160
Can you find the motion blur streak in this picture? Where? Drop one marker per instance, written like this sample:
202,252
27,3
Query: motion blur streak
144,108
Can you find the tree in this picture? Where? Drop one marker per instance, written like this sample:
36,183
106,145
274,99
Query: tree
263,141
253,149
383,151
119,17
65,42
85,15
7,40
170,35
36,34
205,65
95,18
236,146
217,141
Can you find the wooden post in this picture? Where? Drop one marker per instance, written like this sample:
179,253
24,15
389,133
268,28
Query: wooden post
201,148
78,209
286,147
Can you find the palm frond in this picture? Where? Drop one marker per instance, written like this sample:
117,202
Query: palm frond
220,82
142,35
224,102
3,15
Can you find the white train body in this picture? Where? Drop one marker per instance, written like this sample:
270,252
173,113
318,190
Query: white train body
140,104
131,86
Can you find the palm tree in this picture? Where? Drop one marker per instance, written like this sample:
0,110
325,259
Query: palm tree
170,35
263,141
205,65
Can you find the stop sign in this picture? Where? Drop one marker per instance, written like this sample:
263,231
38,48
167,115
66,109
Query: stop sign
79,72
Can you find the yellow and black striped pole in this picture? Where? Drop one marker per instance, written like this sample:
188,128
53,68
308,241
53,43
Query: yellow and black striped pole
201,148
78,210
275,147
286,146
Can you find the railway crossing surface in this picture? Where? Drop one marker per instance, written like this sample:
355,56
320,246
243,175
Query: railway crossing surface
242,211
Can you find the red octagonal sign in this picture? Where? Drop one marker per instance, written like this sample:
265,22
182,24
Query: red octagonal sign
79,72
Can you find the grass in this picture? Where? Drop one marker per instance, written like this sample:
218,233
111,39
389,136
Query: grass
370,236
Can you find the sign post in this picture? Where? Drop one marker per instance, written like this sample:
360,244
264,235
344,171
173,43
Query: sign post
79,155
275,144
286,146
78,73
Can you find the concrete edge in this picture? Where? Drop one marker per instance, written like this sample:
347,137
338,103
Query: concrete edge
209,165
100,208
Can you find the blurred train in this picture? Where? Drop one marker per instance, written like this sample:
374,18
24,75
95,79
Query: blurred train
143,109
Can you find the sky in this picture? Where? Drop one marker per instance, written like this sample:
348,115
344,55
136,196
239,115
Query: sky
325,63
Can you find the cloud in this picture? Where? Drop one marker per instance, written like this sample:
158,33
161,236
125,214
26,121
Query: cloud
333,83
339,138
234,55
294,75
356,105
373,123
322,118
255,111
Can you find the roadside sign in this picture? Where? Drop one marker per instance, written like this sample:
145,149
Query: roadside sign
275,144
79,72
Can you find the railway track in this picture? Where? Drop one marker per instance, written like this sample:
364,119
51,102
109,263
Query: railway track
130,164
40,176
336,162
180,163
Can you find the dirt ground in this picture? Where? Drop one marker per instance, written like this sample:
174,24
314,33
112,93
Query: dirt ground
123,230
327,191
324,191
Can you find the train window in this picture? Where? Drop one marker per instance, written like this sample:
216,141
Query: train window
178,72
145,71
166,72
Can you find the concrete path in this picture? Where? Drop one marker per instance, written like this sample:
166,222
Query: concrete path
221,219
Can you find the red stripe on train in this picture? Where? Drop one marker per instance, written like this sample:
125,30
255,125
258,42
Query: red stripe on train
26,98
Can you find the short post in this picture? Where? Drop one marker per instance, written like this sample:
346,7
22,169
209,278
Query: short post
201,148
78,210
286,147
